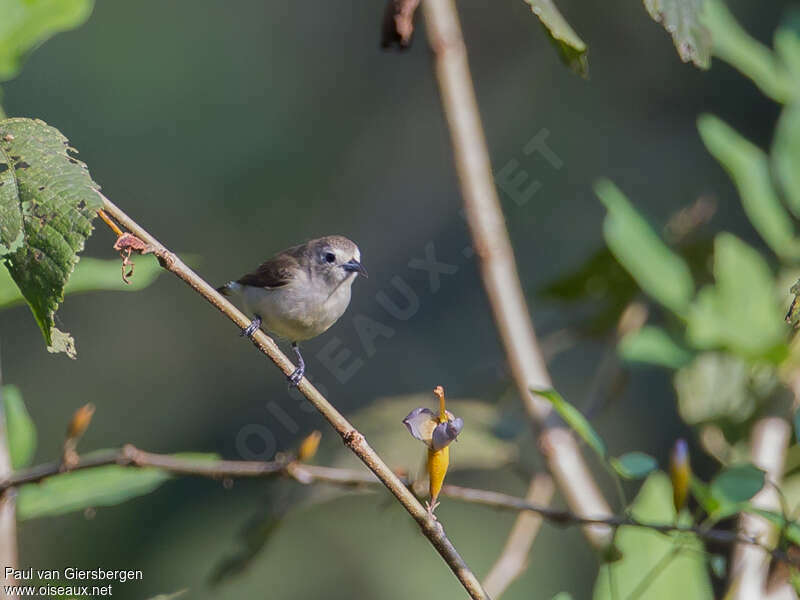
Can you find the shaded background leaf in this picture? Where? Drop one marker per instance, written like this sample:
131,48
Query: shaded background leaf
634,465
738,483
653,345
28,23
20,430
748,166
740,311
734,45
786,155
684,577
101,486
658,270
571,47
573,417
90,275
681,19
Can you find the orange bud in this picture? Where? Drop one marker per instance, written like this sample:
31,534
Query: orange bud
308,447
81,420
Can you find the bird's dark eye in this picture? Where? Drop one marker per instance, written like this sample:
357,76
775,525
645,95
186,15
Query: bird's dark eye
330,257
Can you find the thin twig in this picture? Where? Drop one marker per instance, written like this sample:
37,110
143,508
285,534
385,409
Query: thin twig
287,466
498,267
750,564
353,439
513,560
8,518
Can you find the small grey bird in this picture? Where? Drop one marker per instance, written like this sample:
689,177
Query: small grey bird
300,292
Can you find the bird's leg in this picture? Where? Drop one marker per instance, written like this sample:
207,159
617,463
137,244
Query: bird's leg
253,327
298,373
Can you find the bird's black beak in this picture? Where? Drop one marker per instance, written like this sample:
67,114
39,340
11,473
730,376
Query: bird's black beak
354,266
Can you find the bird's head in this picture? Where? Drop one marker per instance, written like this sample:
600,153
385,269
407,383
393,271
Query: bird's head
336,258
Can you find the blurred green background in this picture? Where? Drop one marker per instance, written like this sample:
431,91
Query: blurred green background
231,131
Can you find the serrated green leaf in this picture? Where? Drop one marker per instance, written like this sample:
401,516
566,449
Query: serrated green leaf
748,166
90,275
737,484
740,312
786,155
20,430
570,46
28,23
634,465
681,19
684,577
732,44
574,419
660,272
56,199
652,345
99,486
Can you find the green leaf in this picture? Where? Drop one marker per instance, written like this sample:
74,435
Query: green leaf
684,576
99,486
681,18
570,46
748,166
740,312
26,24
21,432
737,484
652,345
49,197
660,272
634,465
715,387
732,44
574,419
562,596
786,155
90,275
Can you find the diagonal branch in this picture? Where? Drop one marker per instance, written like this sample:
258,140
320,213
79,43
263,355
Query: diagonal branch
498,267
354,440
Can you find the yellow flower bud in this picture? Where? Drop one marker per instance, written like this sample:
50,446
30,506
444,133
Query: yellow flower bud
680,472
308,447
438,461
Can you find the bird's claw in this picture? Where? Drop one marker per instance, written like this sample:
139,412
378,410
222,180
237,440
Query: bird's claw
295,377
252,328
431,506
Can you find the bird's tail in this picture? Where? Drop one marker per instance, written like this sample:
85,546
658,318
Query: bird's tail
229,288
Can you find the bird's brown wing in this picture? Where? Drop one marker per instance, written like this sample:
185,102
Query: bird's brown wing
274,273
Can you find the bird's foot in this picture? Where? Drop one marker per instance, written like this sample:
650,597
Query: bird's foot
431,506
296,376
254,326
